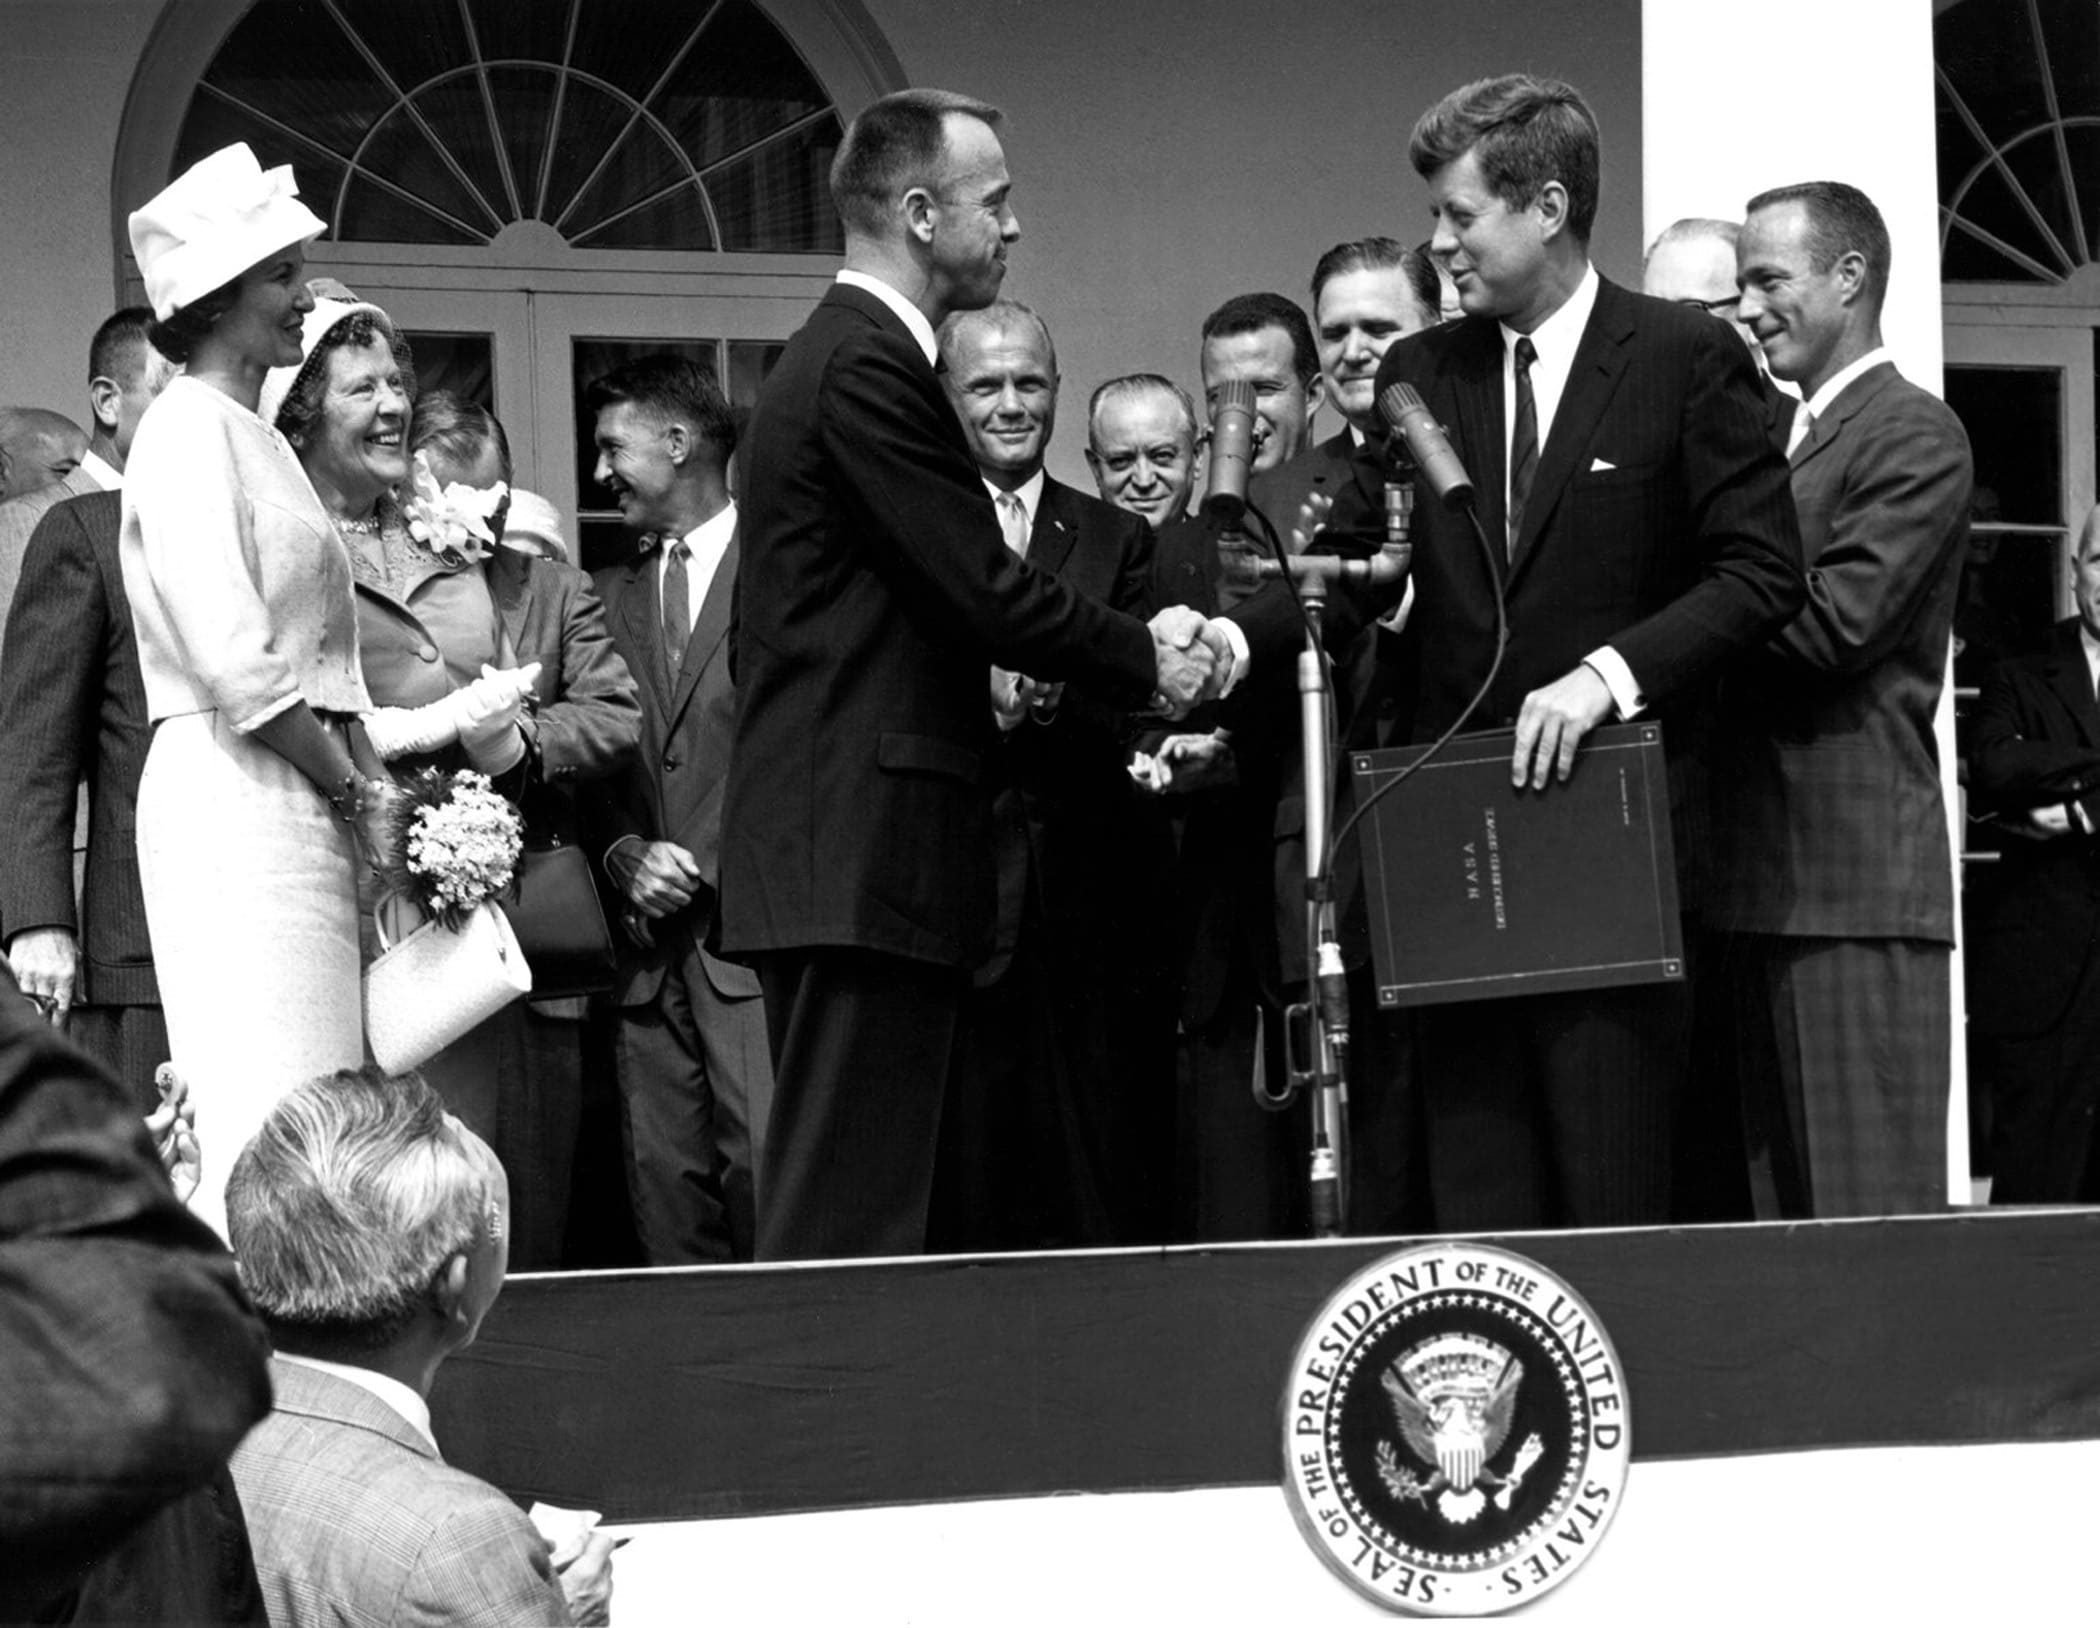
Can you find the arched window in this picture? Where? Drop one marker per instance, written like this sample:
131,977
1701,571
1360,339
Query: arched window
620,124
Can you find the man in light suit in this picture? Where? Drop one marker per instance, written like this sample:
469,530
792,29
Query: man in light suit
73,715
371,1229
696,1082
1833,861
1638,527
875,590
1058,1127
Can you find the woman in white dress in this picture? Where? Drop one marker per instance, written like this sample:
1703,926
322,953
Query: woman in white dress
259,784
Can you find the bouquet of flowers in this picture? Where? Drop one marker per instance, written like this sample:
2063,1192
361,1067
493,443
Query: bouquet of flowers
455,844
457,522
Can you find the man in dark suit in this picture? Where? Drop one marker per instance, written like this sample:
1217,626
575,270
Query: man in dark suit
695,1078
73,712
1833,864
875,590
1638,528
1059,1126
2033,974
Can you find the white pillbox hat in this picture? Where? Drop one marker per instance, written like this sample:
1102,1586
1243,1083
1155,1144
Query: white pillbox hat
212,222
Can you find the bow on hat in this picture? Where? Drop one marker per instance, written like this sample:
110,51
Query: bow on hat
212,222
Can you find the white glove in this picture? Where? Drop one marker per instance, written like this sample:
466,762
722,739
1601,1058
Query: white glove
489,727
476,714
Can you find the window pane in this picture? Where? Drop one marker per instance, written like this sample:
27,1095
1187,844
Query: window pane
464,364
642,164
778,199
524,107
2014,417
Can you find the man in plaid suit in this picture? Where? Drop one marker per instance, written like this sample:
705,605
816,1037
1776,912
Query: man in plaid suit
1835,877
371,1229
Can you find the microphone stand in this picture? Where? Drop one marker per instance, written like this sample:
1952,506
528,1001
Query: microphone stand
1324,1017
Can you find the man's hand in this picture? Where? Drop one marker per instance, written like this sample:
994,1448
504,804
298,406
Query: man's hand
1311,521
1186,660
657,877
1552,723
1016,697
46,963
587,1581
2043,824
1186,763
174,1131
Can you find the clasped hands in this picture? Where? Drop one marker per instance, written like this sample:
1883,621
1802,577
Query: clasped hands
1193,657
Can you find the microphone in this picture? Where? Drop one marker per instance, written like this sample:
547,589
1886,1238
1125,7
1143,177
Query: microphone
1231,453
1407,415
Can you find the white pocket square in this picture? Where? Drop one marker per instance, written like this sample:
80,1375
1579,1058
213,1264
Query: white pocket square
1599,465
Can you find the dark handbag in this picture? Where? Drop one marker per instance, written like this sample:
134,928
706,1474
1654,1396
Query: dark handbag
554,910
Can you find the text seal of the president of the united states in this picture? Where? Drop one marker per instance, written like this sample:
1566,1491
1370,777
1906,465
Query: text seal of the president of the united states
1455,1431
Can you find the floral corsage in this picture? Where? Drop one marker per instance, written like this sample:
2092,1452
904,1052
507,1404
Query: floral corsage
457,523
455,844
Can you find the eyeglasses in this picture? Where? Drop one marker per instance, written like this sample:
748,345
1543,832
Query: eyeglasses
1723,307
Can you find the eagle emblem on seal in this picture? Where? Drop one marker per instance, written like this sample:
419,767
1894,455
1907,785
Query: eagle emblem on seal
1454,1397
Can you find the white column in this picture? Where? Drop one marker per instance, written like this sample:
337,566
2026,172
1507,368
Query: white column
1736,100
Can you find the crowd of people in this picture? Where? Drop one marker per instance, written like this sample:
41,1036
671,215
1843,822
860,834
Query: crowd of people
947,816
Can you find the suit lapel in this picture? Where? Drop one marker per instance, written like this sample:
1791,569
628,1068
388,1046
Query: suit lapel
1050,543
709,629
640,616
1476,371
2071,682
1829,424
1600,360
509,577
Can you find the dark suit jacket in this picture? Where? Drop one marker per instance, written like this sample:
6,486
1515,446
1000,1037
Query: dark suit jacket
130,1363
1828,770
1066,819
875,589
2034,917
672,792
1679,554
1280,492
72,707
355,1518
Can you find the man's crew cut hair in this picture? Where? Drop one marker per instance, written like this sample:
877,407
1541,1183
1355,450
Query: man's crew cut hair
895,143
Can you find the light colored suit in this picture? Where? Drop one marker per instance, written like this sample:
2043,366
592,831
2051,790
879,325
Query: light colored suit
18,518
355,1519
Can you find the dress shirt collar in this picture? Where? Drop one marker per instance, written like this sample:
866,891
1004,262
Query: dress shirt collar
1555,339
711,536
389,1390
1030,492
907,313
1834,386
104,474
2091,647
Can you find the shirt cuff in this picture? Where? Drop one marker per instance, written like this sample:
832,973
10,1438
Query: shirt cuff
1242,657
1610,666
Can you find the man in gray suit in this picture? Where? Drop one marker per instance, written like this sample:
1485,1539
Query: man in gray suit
371,1228
696,1078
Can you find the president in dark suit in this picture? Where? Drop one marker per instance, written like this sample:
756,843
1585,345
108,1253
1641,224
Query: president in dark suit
1638,526
875,591
695,1079
1834,874
73,710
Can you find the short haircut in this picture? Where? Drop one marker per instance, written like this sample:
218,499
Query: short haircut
1841,220
1138,384
449,426
1251,313
348,1203
119,334
1525,132
667,387
303,402
999,315
1382,254
1693,229
187,326
895,143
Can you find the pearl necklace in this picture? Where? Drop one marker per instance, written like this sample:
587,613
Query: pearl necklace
363,528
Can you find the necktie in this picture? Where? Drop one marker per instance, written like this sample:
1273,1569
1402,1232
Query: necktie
1804,421
1013,520
678,616
1523,440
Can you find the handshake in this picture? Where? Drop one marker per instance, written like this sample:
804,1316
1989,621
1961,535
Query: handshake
1195,660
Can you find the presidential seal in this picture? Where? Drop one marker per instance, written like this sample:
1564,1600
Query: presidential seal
1455,1431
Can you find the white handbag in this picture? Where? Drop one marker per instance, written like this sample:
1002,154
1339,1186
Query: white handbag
431,987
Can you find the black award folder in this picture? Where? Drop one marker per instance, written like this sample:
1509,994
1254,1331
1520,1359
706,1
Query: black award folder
1478,890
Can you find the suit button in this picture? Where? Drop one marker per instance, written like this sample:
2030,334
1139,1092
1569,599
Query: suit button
429,652
670,763
1188,570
